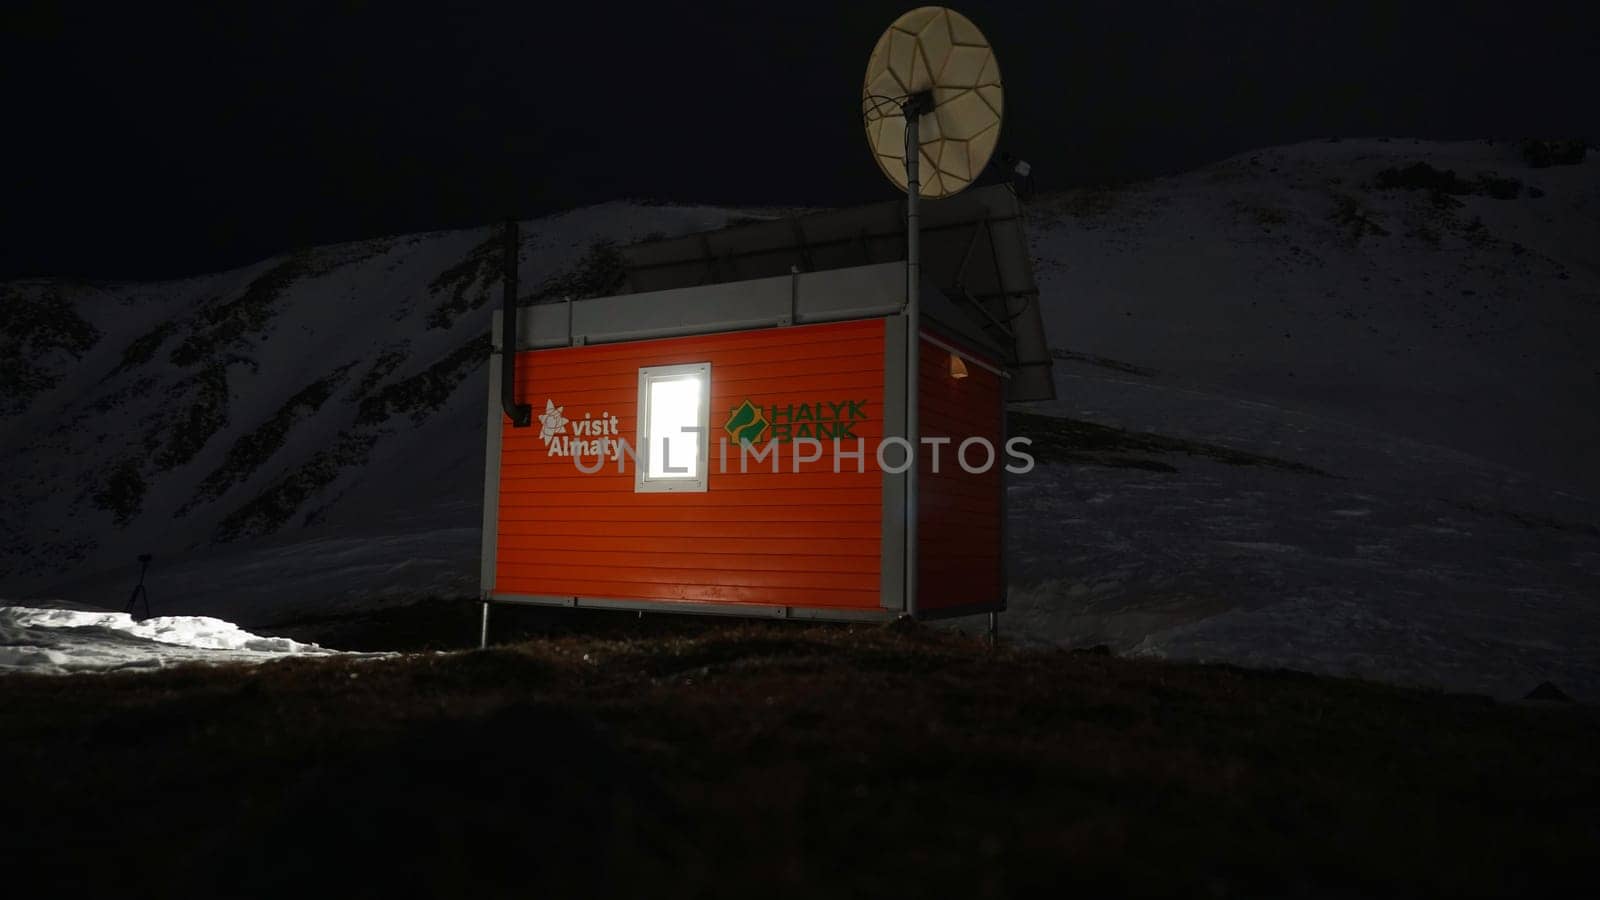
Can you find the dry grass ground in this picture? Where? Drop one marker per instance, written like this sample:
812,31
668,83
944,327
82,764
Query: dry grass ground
740,760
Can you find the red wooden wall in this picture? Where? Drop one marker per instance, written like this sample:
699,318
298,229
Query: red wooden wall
811,539
959,514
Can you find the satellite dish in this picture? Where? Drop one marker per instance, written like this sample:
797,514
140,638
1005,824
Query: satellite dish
935,59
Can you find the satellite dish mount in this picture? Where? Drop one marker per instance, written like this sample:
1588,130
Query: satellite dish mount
936,69
913,109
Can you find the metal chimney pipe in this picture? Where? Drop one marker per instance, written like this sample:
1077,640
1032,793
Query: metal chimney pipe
521,414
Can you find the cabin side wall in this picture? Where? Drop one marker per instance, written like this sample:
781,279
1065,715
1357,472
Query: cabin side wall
960,514
807,539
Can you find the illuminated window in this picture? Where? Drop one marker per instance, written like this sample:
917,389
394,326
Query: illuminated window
674,413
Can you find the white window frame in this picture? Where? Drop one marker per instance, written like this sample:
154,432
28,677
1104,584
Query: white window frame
642,482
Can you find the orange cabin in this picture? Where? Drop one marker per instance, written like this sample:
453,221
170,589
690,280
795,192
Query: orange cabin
740,447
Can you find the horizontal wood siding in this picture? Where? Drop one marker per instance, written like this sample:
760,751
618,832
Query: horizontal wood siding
809,539
959,555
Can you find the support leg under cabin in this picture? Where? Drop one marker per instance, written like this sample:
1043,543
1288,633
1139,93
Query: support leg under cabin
483,628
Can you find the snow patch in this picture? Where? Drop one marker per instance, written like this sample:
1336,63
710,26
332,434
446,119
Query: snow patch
61,641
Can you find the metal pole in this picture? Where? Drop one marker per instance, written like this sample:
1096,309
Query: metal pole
913,109
139,589
994,628
483,628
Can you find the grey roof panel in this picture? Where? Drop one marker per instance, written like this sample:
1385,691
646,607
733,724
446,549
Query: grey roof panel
793,299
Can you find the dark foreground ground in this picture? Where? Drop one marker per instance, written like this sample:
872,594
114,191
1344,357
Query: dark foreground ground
747,760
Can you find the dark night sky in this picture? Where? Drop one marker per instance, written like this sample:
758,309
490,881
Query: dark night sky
149,144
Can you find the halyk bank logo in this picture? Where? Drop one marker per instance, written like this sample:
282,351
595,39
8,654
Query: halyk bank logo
590,436
746,425
823,420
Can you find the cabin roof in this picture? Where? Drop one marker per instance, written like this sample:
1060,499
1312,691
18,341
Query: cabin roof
974,252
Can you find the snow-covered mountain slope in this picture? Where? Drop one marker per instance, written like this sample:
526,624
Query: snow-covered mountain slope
1430,341
1410,328
336,391
1360,280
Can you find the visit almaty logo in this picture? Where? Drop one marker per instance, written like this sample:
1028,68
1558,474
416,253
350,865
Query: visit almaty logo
823,420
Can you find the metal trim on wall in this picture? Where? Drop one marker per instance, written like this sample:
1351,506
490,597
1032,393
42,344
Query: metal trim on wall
491,464
685,607
892,579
